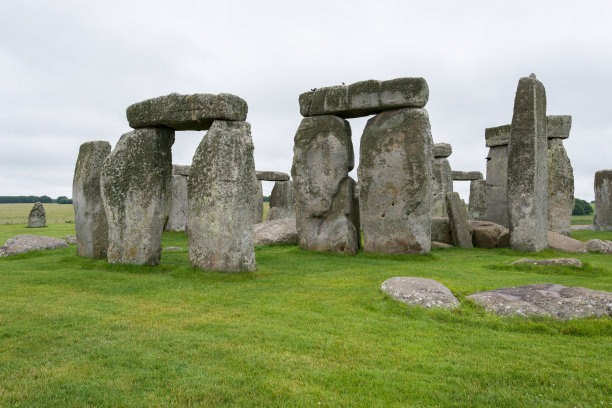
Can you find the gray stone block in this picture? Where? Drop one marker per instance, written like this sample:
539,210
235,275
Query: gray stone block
497,136
180,170
281,201
467,175
462,232
558,126
272,176
497,182
442,183
177,220
477,206
37,217
442,150
560,188
603,201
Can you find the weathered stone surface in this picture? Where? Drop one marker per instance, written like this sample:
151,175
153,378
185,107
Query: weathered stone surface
442,150
422,292
477,207
281,201
26,243
550,262
37,217
136,186
221,191
365,98
258,207
70,239
462,234
441,230
323,192
395,182
497,181
528,169
186,112
181,170
177,221
466,175
442,183
558,126
89,216
560,188
485,234
503,241
272,176
440,245
279,231
498,136
602,220
585,227
546,299
563,243
597,245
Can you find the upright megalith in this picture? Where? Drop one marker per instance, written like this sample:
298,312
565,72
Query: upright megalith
136,186
603,200
477,206
177,220
497,140
37,217
281,201
222,188
395,182
89,215
258,208
528,168
442,181
458,217
560,175
323,191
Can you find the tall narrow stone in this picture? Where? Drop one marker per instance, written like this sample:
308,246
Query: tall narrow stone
38,216
281,201
322,190
89,215
458,217
258,208
528,168
177,221
395,182
222,188
477,206
136,185
603,200
497,140
560,176
442,179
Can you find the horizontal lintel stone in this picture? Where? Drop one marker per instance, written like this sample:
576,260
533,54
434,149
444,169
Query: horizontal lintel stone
272,176
498,136
558,126
466,175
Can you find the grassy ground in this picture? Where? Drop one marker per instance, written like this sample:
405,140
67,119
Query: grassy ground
306,329
18,213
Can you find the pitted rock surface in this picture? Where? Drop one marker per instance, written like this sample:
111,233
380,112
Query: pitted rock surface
486,234
558,126
177,220
181,170
70,239
546,299
602,220
560,188
550,262
442,150
597,245
280,231
497,182
466,175
282,204
457,214
477,207
25,243
272,176
37,217
498,136
441,230
422,292
258,206
442,183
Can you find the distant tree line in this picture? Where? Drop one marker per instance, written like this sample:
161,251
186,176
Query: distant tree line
266,199
581,207
34,199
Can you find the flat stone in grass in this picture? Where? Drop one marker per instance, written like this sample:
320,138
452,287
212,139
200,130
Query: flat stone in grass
420,291
597,245
26,243
550,262
546,299
37,217
560,242
439,245
280,231
186,112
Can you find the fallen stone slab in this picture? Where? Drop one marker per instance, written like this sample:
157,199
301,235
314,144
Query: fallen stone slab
467,175
558,126
439,245
272,176
181,170
442,150
422,292
25,243
550,262
485,234
563,243
279,231
546,299
597,245
365,98
186,112
586,227
70,239
498,136
462,234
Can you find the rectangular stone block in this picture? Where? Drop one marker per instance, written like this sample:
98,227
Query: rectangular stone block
560,188
466,175
603,200
477,206
457,214
272,176
497,136
180,170
558,126
497,182
442,150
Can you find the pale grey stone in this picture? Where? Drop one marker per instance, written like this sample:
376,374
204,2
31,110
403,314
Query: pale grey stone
25,243
546,299
558,126
258,206
441,230
603,201
528,169
136,186
70,239
422,292
282,204
497,182
462,233
442,183
442,150
89,215
550,262
222,188
395,182
498,136
486,234
466,175
564,243
597,245
272,176
323,192
181,170
37,217
278,231
560,188
585,227
477,207
440,245
186,112
177,221
365,98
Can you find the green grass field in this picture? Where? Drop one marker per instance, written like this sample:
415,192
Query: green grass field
306,329
18,213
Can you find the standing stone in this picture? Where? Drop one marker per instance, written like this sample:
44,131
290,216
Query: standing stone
89,215
177,221
528,168
258,208
281,201
497,140
462,236
395,182
603,200
222,188
136,185
442,179
478,200
323,192
37,217
560,188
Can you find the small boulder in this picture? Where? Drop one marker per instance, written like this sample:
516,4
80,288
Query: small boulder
549,262
25,243
70,239
597,245
485,234
280,231
37,217
422,292
584,227
439,245
560,242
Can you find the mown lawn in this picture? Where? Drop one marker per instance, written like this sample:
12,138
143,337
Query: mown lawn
18,213
306,329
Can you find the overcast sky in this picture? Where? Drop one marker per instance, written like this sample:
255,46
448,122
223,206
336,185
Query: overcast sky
68,70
